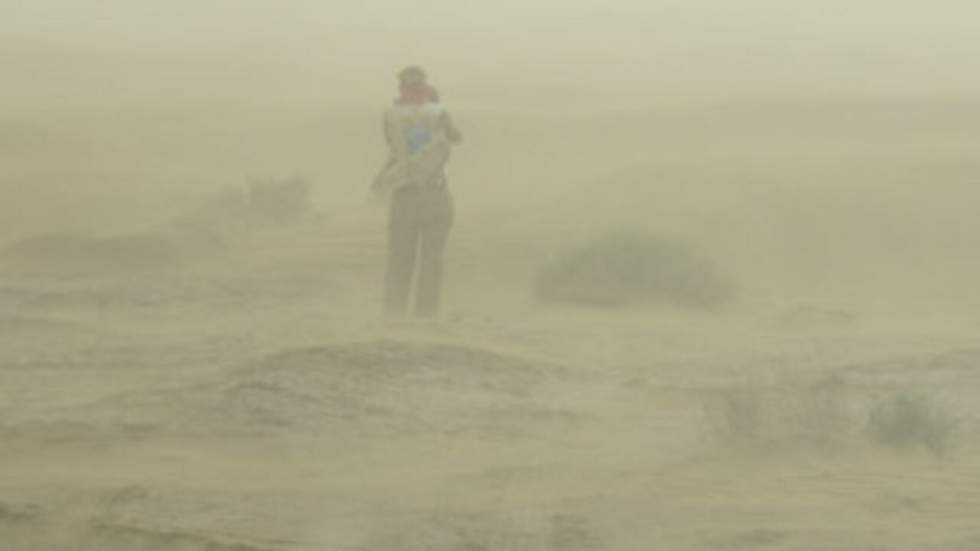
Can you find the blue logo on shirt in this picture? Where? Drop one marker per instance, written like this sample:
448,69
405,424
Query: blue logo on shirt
417,137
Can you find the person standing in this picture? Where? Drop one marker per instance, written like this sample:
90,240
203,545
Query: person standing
419,133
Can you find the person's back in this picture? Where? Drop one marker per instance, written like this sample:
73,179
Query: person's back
419,134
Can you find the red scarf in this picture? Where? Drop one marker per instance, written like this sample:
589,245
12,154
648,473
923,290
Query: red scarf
415,96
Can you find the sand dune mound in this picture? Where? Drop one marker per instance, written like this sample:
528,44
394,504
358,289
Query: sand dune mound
813,316
65,254
32,529
377,386
448,531
33,327
61,252
33,536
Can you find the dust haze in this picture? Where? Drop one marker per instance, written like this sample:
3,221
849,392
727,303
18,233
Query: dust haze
711,284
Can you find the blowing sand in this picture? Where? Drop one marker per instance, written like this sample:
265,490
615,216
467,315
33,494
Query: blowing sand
181,371
261,404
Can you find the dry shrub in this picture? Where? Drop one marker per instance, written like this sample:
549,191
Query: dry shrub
279,202
626,268
816,412
824,412
741,412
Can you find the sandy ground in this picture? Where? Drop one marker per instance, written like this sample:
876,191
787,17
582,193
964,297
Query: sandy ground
260,403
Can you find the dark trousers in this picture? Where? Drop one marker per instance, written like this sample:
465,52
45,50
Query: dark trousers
418,228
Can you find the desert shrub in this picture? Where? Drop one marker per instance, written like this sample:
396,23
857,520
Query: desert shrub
633,268
812,316
812,412
823,409
741,411
224,213
907,420
279,202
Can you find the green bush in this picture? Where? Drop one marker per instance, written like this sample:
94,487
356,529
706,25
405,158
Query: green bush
907,420
625,268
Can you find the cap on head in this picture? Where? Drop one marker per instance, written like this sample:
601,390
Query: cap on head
412,76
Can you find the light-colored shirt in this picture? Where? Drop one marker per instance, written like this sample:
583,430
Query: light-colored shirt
419,138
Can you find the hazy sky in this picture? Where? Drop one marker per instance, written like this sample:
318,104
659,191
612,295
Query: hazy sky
625,50
882,24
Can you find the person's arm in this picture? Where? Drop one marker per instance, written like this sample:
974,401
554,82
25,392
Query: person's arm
381,181
388,131
452,133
